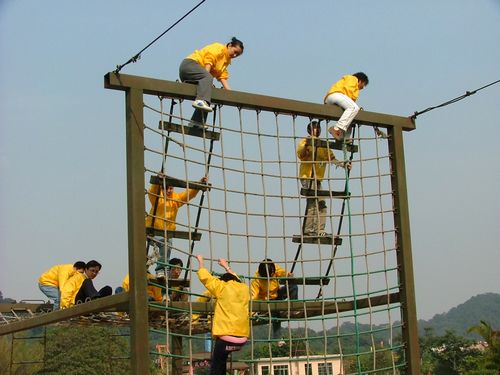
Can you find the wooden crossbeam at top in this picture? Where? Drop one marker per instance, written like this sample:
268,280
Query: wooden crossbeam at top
157,87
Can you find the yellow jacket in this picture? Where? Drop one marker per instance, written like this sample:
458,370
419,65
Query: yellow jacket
231,315
166,210
322,158
262,289
57,275
347,85
153,291
217,56
70,289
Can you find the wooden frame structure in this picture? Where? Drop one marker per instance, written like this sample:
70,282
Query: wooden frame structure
136,300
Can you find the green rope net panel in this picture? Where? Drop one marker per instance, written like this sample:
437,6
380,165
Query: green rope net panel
347,315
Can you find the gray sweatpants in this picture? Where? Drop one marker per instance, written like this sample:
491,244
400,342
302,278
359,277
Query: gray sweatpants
192,72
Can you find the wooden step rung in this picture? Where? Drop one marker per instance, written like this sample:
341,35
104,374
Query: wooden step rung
333,145
189,130
324,193
323,240
183,235
306,281
175,182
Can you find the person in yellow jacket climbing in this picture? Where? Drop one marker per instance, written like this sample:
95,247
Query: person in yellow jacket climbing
79,288
231,323
201,67
165,204
266,287
52,281
313,164
344,93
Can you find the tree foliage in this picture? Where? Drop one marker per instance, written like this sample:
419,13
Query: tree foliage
86,350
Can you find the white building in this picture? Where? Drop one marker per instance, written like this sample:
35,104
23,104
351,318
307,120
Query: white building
303,365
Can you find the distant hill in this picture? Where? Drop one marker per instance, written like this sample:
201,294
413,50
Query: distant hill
459,319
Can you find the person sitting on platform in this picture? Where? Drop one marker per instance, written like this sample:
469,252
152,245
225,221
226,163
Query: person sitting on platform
201,67
79,288
231,321
314,160
52,281
175,293
265,287
344,93
163,213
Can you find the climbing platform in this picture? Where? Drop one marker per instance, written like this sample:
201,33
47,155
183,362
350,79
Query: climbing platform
189,130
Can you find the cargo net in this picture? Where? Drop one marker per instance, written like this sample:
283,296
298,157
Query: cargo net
343,313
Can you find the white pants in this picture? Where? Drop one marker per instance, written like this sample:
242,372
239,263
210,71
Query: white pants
349,106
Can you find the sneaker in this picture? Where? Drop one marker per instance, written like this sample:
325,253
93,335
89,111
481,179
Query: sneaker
336,133
202,105
160,274
281,343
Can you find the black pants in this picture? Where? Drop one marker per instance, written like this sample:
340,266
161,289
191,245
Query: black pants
88,292
219,356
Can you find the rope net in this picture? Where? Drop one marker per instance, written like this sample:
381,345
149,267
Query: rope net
345,318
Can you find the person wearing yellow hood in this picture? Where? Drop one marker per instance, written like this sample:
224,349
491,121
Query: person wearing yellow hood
201,67
231,322
80,288
52,281
344,94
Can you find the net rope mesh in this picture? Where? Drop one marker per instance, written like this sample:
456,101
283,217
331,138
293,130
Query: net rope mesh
251,212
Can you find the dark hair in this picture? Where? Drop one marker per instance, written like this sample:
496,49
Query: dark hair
175,262
93,263
362,77
236,42
266,268
79,265
315,124
228,277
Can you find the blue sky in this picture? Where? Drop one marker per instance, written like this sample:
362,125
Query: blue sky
62,139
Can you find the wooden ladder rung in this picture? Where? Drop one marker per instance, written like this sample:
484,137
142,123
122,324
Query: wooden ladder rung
323,240
333,145
189,130
307,280
172,181
183,235
324,193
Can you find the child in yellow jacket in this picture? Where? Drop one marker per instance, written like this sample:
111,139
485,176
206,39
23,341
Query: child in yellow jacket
52,281
344,93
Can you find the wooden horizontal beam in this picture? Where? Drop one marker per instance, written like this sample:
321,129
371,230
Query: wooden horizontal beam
175,182
118,302
189,130
183,235
324,193
157,87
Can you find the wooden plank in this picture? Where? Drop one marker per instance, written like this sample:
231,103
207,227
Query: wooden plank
306,280
189,130
183,235
323,240
332,145
157,87
324,193
118,302
175,182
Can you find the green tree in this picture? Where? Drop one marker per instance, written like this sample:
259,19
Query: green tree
86,350
492,338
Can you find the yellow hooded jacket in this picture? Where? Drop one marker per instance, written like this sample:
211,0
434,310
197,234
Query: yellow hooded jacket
347,85
322,158
166,210
231,316
153,291
70,289
217,56
57,275
263,289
